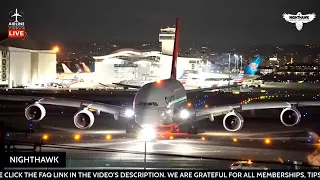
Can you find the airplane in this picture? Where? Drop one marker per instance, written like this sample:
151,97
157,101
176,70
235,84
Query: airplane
16,15
160,104
247,74
68,75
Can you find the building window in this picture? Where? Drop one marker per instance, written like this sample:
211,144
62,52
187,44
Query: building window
166,37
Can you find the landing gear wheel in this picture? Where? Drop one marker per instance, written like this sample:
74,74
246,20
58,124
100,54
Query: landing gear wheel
130,128
193,130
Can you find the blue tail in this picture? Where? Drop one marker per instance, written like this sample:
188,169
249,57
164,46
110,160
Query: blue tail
252,68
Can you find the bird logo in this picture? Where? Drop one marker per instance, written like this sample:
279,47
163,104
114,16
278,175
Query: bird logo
253,66
299,19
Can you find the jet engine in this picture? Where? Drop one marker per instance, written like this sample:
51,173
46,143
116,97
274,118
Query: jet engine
83,119
233,121
35,112
290,116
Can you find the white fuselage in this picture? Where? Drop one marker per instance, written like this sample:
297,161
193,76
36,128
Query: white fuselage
207,82
158,102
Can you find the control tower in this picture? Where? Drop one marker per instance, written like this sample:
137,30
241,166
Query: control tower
166,37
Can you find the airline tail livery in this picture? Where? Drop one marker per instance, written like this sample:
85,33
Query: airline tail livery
252,68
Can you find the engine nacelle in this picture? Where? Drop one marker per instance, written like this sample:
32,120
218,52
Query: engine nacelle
290,116
83,119
233,121
35,112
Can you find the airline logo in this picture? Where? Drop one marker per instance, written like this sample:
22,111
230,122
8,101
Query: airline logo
299,19
16,26
253,66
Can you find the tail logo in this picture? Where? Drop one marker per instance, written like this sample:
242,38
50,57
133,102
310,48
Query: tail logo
253,66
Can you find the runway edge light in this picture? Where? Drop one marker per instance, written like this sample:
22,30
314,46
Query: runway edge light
76,137
45,137
108,137
267,140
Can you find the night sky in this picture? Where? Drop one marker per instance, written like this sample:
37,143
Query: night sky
218,22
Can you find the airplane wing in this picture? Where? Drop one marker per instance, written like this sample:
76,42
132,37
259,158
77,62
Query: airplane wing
127,85
107,108
224,109
311,18
187,90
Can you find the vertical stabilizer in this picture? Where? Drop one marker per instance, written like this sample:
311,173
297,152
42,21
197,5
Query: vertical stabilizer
85,68
175,50
79,70
66,69
252,68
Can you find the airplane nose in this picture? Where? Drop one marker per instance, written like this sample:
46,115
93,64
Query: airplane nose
147,116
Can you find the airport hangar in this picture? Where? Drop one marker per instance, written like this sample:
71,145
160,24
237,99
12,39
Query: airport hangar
126,64
23,62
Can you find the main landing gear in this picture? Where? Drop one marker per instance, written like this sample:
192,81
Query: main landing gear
131,127
193,129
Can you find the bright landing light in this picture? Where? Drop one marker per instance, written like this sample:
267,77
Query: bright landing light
129,113
147,133
184,114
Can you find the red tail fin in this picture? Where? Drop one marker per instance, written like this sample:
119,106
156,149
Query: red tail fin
175,50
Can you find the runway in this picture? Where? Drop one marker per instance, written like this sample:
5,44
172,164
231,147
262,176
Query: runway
217,142
175,153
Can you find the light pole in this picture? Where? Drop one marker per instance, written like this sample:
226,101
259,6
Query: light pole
241,62
236,61
145,155
229,69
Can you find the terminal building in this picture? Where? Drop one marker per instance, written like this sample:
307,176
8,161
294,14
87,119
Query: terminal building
126,64
23,62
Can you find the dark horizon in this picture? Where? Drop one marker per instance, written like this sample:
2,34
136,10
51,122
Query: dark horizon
220,23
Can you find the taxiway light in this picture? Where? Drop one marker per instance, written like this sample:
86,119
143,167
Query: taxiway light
45,137
189,104
108,137
267,141
76,137
235,140
206,106
203,138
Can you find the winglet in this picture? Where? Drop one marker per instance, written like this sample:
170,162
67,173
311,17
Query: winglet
175,50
